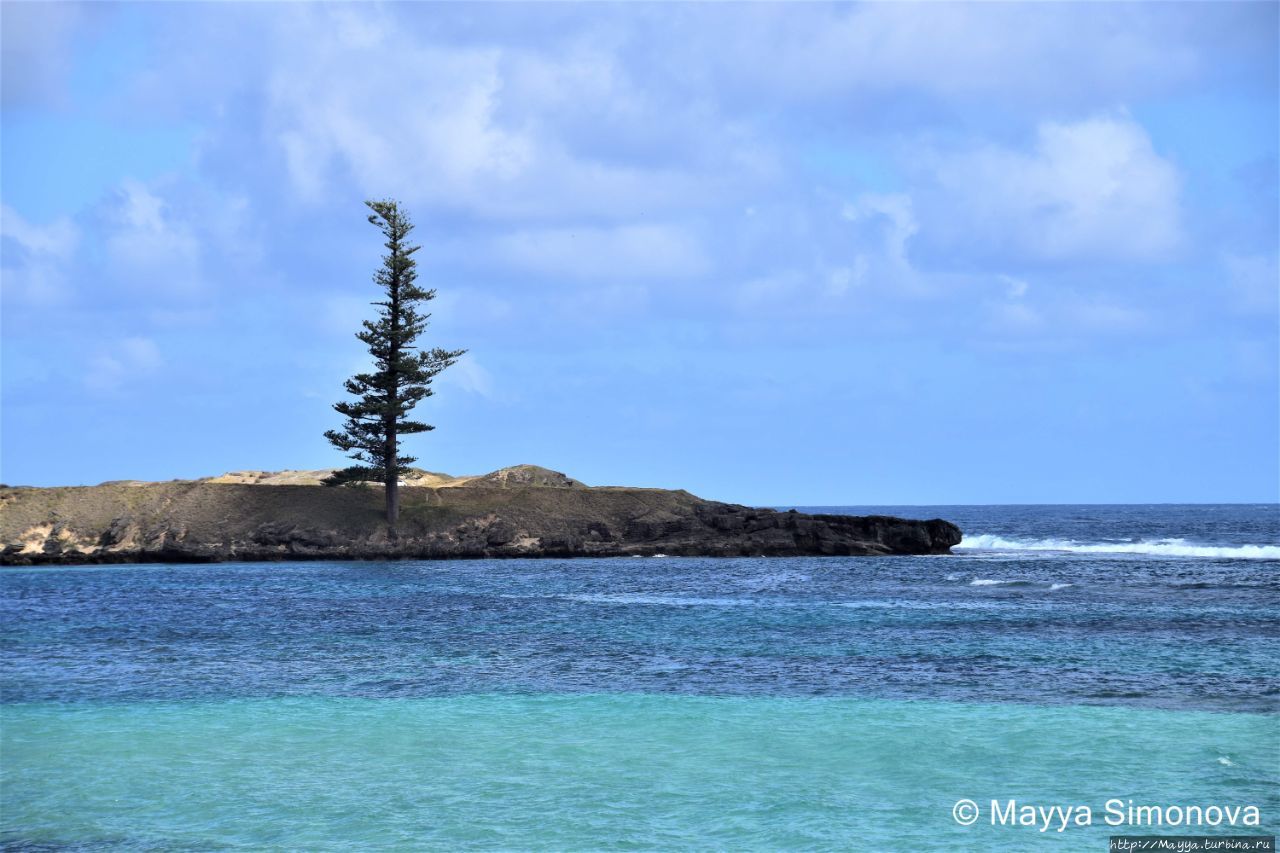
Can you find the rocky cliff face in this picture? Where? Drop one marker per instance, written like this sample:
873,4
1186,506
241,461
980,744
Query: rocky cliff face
517,512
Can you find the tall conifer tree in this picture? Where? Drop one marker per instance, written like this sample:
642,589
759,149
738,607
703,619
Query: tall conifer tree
402,373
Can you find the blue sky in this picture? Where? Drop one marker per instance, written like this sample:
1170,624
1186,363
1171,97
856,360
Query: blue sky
818,254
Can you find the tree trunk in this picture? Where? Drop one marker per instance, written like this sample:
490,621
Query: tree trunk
392,481
393,501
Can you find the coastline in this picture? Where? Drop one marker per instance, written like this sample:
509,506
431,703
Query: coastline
496,516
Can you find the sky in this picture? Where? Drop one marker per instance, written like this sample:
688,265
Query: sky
803,254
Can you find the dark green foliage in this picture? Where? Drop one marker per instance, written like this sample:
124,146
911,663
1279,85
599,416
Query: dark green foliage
358,475
402,372
353,476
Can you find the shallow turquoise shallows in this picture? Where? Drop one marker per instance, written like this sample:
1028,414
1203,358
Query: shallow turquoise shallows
606,771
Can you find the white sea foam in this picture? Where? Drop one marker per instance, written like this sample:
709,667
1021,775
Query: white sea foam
666,600
1013,582
660,600
1158,547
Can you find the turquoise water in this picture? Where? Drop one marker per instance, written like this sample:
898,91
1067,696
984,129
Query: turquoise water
590,771
1064,657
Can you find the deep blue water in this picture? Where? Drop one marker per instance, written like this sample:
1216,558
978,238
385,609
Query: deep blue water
1145,626
1051,631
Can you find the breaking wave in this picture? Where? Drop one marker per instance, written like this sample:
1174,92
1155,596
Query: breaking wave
1158,547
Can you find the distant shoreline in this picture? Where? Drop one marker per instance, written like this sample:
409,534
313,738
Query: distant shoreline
523,511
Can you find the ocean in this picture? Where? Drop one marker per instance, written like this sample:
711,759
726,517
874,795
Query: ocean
1092,658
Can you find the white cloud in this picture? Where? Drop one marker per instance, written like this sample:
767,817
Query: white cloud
155,240
416,120
1016,287
894,212
341,313
33,269
473,309
1056,317
148,246
468,375
37,40
867,264
884,225
484,127
1253,282
1089,189
623,252
840,279
1012,313
1103,315
1015,317
776,290
124,362
446,141
561,147
1072,53
598,307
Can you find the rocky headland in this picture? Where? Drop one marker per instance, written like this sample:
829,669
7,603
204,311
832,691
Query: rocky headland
523,511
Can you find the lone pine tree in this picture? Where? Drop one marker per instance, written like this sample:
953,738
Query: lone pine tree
402,373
